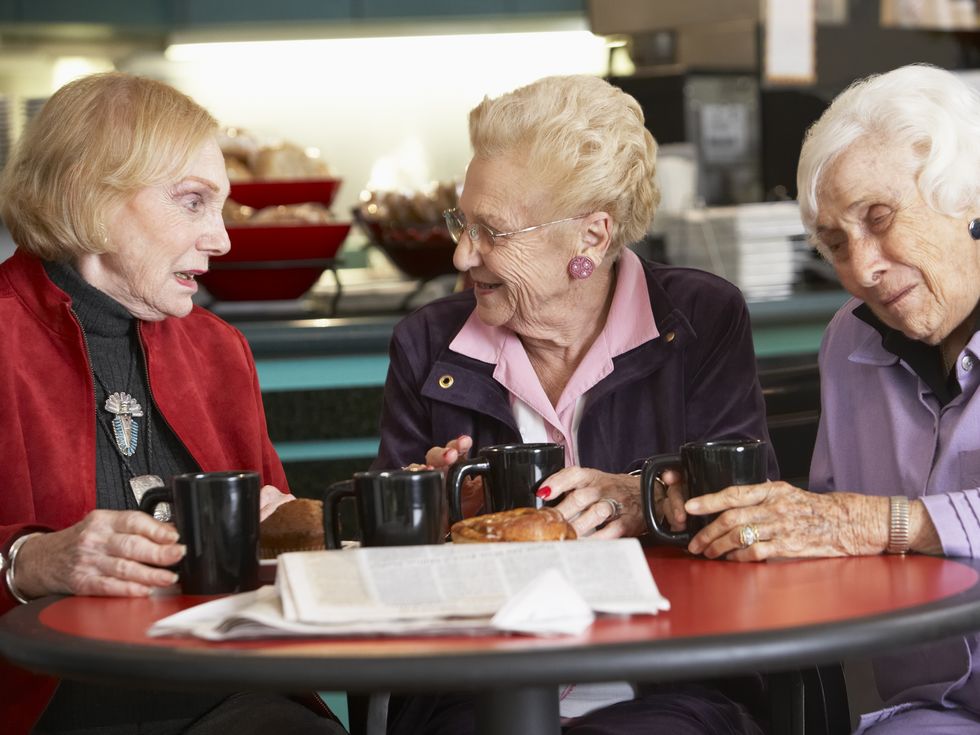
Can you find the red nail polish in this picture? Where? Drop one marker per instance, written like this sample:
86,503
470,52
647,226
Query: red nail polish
543,492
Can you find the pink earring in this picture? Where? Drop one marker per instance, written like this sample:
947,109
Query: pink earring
580,267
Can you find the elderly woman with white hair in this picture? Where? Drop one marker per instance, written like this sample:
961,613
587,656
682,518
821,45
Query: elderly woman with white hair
568,336
889,191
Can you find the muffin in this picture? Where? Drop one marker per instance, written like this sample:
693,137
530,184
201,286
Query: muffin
293,526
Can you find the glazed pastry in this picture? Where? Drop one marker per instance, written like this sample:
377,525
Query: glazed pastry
519,524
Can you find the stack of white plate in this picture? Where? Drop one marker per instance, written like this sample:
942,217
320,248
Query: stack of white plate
758,247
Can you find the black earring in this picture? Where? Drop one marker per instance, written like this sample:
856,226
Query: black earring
974,228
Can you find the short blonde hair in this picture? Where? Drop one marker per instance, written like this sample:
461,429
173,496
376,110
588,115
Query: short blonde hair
96,142
919,106
584,141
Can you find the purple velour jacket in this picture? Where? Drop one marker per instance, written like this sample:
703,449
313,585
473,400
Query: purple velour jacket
696,380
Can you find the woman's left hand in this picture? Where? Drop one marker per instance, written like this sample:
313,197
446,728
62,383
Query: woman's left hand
593,498
271,498
789,522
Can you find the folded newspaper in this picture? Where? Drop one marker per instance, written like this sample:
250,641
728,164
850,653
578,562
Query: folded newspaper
536,588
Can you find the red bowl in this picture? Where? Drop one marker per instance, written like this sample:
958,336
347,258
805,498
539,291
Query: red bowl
260,194
284,242
425,251
273,263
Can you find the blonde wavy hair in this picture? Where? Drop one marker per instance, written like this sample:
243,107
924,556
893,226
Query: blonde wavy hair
96,142
584,141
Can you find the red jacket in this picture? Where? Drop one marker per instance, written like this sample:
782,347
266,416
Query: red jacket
203,382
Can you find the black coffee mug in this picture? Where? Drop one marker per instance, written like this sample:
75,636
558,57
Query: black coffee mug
707,467
394,508
512,474
217,517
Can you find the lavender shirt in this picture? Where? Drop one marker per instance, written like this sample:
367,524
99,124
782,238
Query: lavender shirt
882,432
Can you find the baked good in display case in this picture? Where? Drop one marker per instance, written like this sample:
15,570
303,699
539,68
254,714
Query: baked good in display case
293,526
518,524
283,233
409,228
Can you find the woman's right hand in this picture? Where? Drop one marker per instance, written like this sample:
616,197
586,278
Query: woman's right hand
439,457
471,492
109,552
669,498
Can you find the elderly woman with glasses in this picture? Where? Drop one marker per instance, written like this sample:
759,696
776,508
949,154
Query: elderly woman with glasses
568,336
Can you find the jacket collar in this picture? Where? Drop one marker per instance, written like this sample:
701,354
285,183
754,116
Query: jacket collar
50,305
468,383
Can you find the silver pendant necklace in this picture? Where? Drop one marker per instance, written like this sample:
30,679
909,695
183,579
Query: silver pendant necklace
125,434
125,428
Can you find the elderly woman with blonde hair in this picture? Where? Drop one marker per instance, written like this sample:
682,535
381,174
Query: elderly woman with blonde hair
113,196
889,192
568,336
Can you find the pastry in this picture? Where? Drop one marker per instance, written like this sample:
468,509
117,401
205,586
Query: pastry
293,526
234,213
237,169
519,524
308,213
287,161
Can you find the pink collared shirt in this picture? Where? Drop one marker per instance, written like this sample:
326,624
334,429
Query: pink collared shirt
630,323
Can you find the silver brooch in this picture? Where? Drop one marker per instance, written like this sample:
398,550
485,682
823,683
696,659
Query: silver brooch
125,428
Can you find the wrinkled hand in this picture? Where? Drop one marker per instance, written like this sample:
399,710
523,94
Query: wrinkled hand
669,497
109,552
271,498
440,457
582,491
471,492
791,523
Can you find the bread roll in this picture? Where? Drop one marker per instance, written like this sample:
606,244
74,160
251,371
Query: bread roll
519,524
294,526
287,161
234,213
237,169
309,213
238,143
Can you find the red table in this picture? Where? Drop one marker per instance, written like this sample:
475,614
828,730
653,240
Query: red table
725,618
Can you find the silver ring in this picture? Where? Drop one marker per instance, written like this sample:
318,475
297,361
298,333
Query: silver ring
748,535
615,507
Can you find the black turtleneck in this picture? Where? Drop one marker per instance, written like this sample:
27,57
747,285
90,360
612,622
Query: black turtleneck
117,364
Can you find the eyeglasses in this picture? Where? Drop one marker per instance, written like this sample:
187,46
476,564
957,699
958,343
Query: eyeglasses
457,225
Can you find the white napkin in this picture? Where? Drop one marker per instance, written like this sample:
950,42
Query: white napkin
548,605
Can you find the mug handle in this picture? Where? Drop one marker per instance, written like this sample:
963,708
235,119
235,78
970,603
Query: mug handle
454,484
331,518
652,469
153,497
